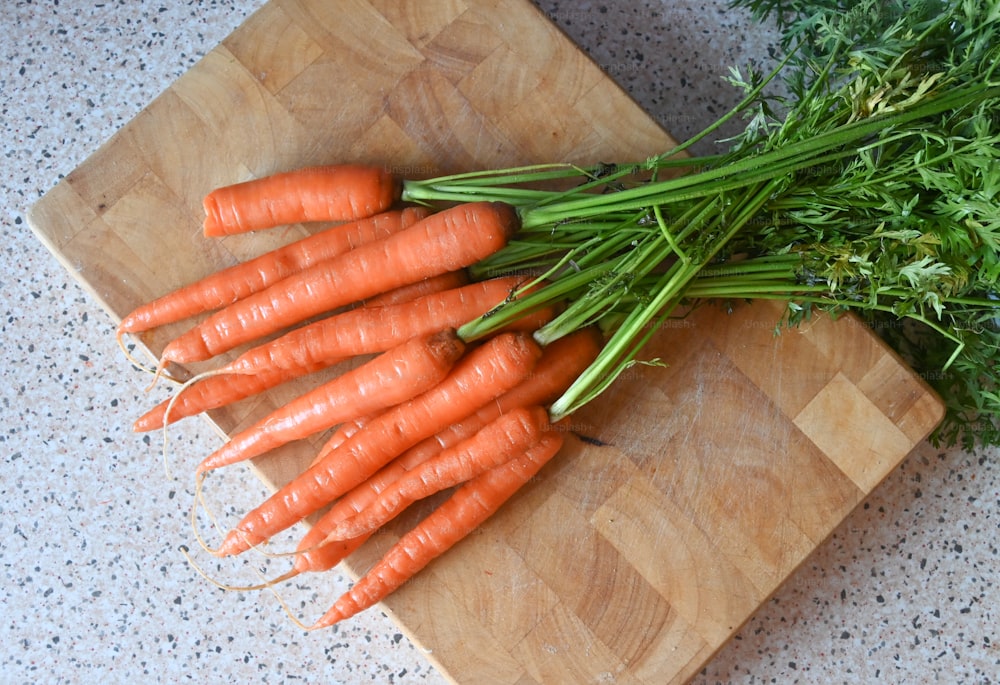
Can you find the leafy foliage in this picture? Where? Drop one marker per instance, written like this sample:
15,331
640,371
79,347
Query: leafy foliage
873,187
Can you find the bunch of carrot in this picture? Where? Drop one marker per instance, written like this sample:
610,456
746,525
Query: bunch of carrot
422,411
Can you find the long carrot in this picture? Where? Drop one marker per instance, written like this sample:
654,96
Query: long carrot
411,291
498,442
231,284
360,330
484,373
343,432
449,240
561,362
320,551
220,387
315,553
323,546
463,512
396,376
321,193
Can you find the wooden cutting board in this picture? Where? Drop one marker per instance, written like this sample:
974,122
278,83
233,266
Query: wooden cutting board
703,485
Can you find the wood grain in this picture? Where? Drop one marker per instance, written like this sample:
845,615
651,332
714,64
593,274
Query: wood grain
701,486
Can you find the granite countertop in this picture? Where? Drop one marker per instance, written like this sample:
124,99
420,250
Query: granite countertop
905,591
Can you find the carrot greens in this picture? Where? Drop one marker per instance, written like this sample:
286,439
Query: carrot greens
871,185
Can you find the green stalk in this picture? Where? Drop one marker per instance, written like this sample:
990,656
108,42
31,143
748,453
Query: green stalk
625,343
767,165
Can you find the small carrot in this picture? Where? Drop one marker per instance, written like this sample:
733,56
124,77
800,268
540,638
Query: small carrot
467,508
339,192
389,379
484,373
447,241
231,284
508,436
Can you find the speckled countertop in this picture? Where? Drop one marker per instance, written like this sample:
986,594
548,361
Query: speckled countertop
905,591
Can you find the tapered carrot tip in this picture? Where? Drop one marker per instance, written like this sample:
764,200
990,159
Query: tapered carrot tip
343,609
151,420
188,348
234,543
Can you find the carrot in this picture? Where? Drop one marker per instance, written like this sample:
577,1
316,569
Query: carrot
496,443
220,388
321,193
315,553
362,330
231,284
215,390
463,512
411,291
343,432
390,378
483,374
561,362
447,241
325,545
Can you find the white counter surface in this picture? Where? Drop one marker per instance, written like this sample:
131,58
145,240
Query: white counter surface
94,588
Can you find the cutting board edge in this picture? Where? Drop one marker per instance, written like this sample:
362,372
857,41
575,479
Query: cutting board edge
929,391
821,544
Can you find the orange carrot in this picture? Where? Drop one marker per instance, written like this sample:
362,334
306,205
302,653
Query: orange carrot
315,553
321,193
390,378
562,361
343,432
411,291
484,373
318,345
498,442
231,284
318,551
362,330
447,241
220,388
463,512
217,390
